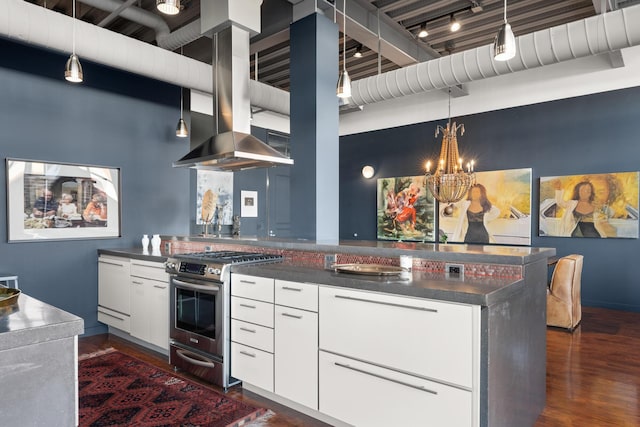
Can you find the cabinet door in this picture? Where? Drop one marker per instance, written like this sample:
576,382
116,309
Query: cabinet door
296,355
252,366
429,338
365,395
150,311
113,284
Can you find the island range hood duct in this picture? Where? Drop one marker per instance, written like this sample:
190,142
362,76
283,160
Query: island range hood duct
233,147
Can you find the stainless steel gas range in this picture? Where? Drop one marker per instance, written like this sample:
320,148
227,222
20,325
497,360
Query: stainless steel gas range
200,319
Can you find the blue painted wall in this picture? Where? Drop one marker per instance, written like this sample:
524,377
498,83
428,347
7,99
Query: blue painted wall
589,134
113,119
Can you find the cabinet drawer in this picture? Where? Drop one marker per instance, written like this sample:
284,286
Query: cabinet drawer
252,311
298,295
149,270
429,338
380,397
252,335
252,366
115,319
258,288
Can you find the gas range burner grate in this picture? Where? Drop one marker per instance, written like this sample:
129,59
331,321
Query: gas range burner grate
230,257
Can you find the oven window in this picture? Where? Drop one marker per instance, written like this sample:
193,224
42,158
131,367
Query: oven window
196,312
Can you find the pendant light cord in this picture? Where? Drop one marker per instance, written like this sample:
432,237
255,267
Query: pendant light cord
181,89
344,36
505,11
73,29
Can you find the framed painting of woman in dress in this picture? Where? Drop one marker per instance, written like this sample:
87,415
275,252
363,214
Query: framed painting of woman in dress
497,209
595,205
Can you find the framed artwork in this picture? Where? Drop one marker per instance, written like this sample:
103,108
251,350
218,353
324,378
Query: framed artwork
406,210
59,201
596,205
497,209
214,199
249,206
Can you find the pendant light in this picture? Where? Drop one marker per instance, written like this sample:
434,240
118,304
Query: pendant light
454,24
423,31
168,7
344,81
73,69
504,46
358,53
181,129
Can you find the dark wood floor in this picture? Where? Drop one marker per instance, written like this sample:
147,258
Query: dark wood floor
593,374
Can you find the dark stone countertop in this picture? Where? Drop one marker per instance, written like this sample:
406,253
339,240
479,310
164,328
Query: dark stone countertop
31,321
484,291
137,253
494,254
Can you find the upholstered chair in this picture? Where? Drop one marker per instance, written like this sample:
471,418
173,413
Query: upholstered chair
564,309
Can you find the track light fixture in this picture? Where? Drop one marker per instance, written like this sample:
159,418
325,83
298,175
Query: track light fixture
168,7
504,46
73,69
423,31
454,24
358,53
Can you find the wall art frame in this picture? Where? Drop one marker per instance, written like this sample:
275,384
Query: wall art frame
405,209
603,205
505,219
62,201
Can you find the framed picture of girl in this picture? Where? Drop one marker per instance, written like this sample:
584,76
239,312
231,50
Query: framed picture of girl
593,205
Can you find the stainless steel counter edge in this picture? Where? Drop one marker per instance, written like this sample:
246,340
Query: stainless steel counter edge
453,252
32,321
472,290
136,253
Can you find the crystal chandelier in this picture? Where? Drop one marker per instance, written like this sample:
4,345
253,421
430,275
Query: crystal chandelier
449,182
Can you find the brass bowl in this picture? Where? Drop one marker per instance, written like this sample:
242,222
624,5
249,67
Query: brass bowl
8,296
369,269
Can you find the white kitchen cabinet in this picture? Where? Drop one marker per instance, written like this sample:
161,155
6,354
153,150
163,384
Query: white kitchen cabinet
113,291
362,394
429,338
150,303
252,330
296,355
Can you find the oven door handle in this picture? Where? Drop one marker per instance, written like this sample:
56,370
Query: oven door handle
188,285
182,354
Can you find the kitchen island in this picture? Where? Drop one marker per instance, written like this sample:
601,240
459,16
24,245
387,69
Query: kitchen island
484,356
38,349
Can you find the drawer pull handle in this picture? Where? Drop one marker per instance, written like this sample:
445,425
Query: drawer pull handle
247,282
382,377
149,266
292,316
111,315
247,353
111,263
189,357
247,306
136,282
288,288
430,310
253,331
159,287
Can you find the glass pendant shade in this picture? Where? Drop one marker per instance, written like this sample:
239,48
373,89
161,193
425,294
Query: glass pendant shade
181,129
168,7
504,46
73,69
344,85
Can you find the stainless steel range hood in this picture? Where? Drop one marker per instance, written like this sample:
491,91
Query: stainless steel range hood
233,147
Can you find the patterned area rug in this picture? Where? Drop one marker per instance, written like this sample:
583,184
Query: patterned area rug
119,390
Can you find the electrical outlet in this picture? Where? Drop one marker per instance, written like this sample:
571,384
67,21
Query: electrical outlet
208,248
454,269
329,261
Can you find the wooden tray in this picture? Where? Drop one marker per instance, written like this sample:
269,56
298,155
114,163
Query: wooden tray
369,269
8,296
